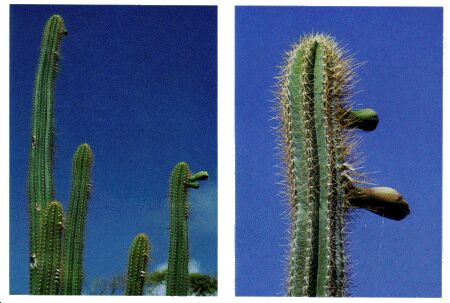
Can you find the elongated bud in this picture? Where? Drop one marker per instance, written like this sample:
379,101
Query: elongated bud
383,201
365,119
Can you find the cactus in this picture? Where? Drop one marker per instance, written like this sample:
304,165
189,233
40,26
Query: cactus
40,176
317,138
48,268
137,265
53,269
74,232
181,180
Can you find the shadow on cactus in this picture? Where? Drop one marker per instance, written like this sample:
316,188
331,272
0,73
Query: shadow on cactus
56,245
317,141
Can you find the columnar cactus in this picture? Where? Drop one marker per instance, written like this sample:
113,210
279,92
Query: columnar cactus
181,180
137,265
317,139
40,176
64,276
72,275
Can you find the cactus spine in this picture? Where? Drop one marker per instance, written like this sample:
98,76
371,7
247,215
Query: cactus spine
181,180
137,265
40,177
74,233
316,143
53,269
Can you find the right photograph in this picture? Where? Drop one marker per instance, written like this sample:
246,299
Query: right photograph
338,116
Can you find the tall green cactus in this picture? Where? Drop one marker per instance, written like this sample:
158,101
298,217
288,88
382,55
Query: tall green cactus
137,265
40,176
54,268
181,180
72,277
317,141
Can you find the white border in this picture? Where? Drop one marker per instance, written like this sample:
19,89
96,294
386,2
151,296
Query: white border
226,168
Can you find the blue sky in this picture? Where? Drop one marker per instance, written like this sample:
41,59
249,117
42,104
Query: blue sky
402,81
139,84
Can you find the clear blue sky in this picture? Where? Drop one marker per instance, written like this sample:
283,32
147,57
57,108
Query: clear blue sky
139,84
402,81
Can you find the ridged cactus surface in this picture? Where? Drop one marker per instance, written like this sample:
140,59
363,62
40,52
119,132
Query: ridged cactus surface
48,267
181,180
317,140
40,175
137,265
72,278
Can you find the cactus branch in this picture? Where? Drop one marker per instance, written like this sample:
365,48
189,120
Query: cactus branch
74,233
137,265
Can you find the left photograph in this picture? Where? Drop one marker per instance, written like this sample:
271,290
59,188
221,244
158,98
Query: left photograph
113,150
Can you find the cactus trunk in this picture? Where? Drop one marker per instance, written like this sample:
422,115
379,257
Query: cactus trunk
317,141
48,273
40,176
181,180
137,265
74,233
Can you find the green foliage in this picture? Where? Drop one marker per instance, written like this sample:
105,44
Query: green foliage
137,265
199,284
181,180
317,140
48,260
202,285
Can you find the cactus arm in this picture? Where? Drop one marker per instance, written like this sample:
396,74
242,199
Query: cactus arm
40,183
137,265
181,180
178,245
48,259
201,175
74,234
